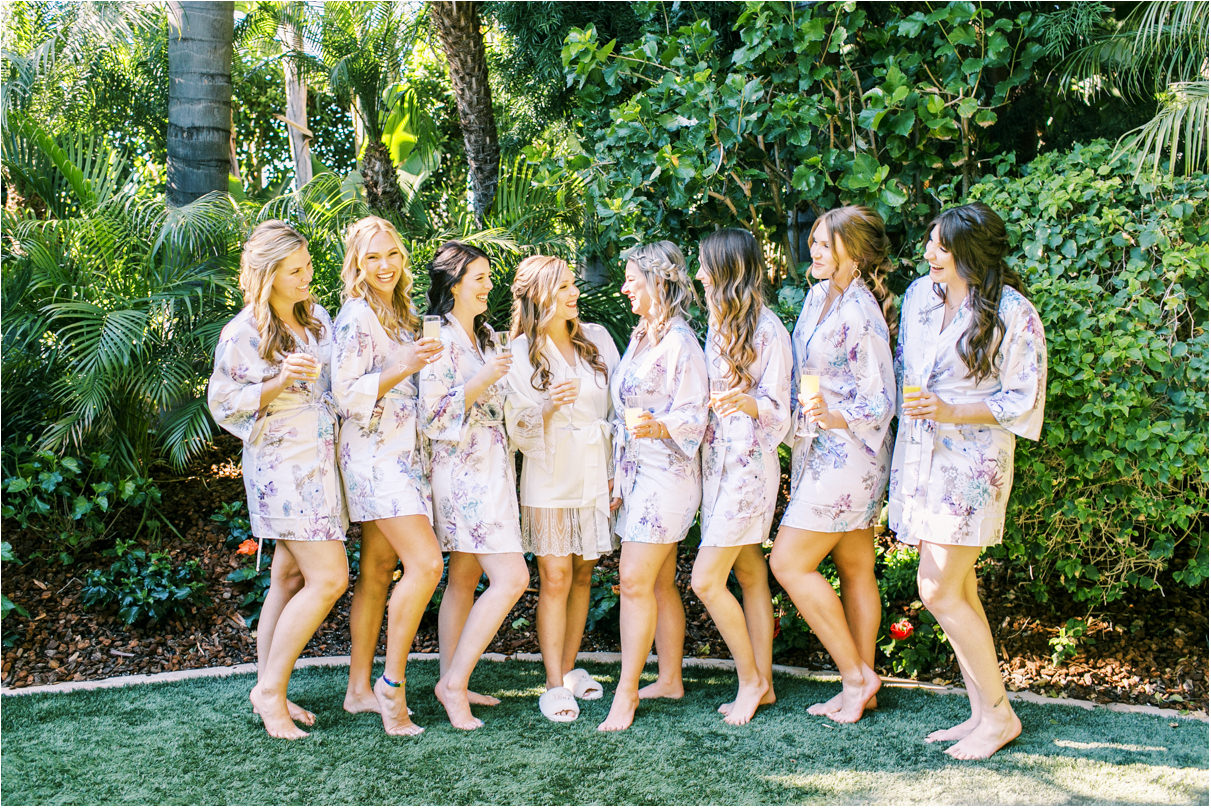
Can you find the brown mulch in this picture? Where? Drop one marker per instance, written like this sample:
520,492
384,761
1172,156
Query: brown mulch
1150,648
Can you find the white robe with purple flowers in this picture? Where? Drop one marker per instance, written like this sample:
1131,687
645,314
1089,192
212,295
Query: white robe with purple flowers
660,479
289,458
474,485
950,482
380,452
740,470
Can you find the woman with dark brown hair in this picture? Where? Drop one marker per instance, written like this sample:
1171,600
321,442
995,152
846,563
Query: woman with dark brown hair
842,453
972,365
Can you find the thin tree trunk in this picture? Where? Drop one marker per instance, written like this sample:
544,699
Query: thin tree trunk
457,25
296,105
199,97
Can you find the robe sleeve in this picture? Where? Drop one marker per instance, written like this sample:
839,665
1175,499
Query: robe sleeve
1018,405
234,391
355,380
690,391
869,411
443,397
609,353
523,406
773,388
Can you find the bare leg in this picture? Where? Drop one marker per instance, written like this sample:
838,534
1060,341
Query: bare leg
854,556
578,609
507,579
711,569
551,615
326,576
753,576
942,578
670,635
638,569
461,579
797,554
411,537
377,563
962,730
285,580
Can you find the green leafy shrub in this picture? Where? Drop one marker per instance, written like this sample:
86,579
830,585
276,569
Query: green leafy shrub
74,503
6,605
233,517
145,587
603,599
1067,642
1115,494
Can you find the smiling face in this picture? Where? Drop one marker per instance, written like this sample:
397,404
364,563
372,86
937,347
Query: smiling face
382,263
702,276
292,280
635,287
829,256
941,260
471,293
565,299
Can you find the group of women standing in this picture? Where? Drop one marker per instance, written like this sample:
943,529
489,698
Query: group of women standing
422,425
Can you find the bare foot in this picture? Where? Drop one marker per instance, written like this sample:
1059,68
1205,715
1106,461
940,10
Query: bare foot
622,713
296,712
956,733
458,708
661,690
274,715
393,707
834,704
767,699
360,701
481,700
854,697
745,705
995,730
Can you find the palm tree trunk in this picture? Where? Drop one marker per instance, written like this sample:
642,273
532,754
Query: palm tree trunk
296,102
457,25
199,97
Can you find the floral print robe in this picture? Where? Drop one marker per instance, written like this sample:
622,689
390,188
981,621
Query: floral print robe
380,452
950,482
838,476
740,470
659,480
474,486
289,457
560,468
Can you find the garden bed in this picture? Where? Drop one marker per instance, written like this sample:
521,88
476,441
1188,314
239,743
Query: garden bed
1150,648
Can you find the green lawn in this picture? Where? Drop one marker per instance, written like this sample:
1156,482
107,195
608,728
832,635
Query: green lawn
195,742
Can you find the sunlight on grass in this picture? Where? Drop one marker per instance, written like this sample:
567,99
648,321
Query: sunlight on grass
1126,747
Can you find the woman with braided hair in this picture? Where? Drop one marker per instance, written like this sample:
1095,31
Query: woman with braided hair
659,393
972,364
841,450
271,388
557,413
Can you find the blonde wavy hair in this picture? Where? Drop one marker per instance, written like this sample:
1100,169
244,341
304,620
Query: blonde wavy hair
401,315
662,265
862,232
732,260
534,286
269,243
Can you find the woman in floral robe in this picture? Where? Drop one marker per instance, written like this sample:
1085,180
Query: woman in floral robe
841,450
271,388
972,363
474,487
375,357
659,393
748,356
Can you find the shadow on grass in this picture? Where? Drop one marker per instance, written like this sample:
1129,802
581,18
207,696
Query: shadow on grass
196,742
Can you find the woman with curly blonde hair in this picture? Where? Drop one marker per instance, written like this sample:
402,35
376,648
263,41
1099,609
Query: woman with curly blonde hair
376,354
271,388
557,414
748,356
659,393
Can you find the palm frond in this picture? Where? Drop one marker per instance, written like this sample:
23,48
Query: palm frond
1178,133
185,431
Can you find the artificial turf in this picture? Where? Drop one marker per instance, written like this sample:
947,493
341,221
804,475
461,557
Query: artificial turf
196,742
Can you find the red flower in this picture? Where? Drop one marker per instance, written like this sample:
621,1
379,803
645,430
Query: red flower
247,547
902,629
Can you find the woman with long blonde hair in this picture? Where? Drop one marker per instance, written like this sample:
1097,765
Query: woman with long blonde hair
271,388
659,394
841,450
557,413
748,357
376,354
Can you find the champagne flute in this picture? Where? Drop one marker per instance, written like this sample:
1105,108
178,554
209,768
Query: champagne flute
809,388
431,327
719,387
569,376
636,406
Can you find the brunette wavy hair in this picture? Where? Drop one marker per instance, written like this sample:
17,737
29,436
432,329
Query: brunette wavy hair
732,260
400,315
446,270
268,244
862,232
975,235
662,265
534,286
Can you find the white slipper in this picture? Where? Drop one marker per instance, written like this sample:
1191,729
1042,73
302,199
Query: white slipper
582,685
558,705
